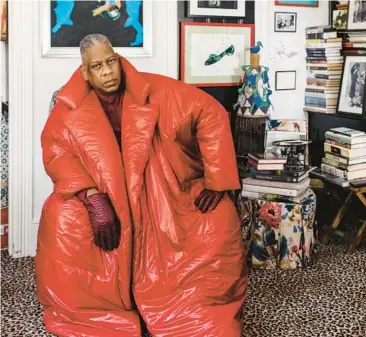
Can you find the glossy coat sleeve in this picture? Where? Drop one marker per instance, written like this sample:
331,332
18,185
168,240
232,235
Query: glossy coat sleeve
61,163
216,146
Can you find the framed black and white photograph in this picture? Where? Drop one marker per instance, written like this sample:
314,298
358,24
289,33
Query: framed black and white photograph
285,80
352,92
339,18
285,22
356,15
228,8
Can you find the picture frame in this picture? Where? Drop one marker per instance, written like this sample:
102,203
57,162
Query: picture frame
285,80
285,22
223,8
212,54
60,36
356,19
351,99
297,3
339,18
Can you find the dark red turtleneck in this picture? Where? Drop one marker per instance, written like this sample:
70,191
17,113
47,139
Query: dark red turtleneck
112,106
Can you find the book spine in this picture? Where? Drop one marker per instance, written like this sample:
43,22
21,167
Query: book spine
334,163
338,138
319,35
332,170
280,178
346,134
275,184
270,190
336,158
327,77
337,150
333,142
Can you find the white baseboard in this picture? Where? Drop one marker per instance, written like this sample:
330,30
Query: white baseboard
33,237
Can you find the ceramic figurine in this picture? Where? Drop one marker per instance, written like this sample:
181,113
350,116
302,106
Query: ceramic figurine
253,99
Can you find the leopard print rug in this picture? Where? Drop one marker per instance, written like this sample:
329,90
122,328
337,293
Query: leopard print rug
326,299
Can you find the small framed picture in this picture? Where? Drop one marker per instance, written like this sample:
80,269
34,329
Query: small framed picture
223,8
352,92
356,15
297,3
285,80
339,18
285,22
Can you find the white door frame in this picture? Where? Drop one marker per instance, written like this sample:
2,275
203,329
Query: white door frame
21,42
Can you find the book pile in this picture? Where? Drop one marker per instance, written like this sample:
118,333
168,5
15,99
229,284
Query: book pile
354,42
269,180
345,154
324,64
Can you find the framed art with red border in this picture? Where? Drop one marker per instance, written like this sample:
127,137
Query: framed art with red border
212,54
297,3
4,20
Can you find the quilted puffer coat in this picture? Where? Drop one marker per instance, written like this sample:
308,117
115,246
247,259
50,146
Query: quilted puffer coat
180,270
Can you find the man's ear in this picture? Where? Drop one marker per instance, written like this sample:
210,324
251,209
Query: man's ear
84,72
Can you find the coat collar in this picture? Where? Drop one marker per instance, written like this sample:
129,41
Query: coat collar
77,89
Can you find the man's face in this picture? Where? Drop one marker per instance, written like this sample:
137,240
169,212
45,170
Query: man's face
102,68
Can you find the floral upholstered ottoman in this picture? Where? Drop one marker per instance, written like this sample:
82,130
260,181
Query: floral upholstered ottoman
278,233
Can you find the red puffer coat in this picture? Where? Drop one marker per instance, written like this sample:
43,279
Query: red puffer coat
182,271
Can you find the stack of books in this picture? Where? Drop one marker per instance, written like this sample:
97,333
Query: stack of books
354,42
345,153
324,65
269,180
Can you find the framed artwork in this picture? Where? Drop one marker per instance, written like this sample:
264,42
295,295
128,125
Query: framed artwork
4,20
228,8
356,15
212,53
352,91
298,3
127,24
285,80
285,22
339,18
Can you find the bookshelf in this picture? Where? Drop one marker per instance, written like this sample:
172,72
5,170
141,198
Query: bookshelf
320,123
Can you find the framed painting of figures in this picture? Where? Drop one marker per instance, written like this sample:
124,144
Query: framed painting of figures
127,24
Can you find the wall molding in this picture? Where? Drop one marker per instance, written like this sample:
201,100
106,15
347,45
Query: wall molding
263,22
21,42
172,39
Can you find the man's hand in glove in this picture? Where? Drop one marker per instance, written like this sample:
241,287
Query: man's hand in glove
105,224
208,200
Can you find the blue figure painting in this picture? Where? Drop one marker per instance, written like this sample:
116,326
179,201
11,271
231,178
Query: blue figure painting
120,21
63,12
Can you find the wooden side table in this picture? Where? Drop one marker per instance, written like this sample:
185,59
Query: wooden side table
357,190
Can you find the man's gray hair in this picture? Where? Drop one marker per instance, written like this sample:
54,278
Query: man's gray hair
92,40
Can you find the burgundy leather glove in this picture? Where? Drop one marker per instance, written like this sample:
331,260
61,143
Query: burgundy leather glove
208,200
105,224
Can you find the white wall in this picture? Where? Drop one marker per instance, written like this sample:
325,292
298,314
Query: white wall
289,104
